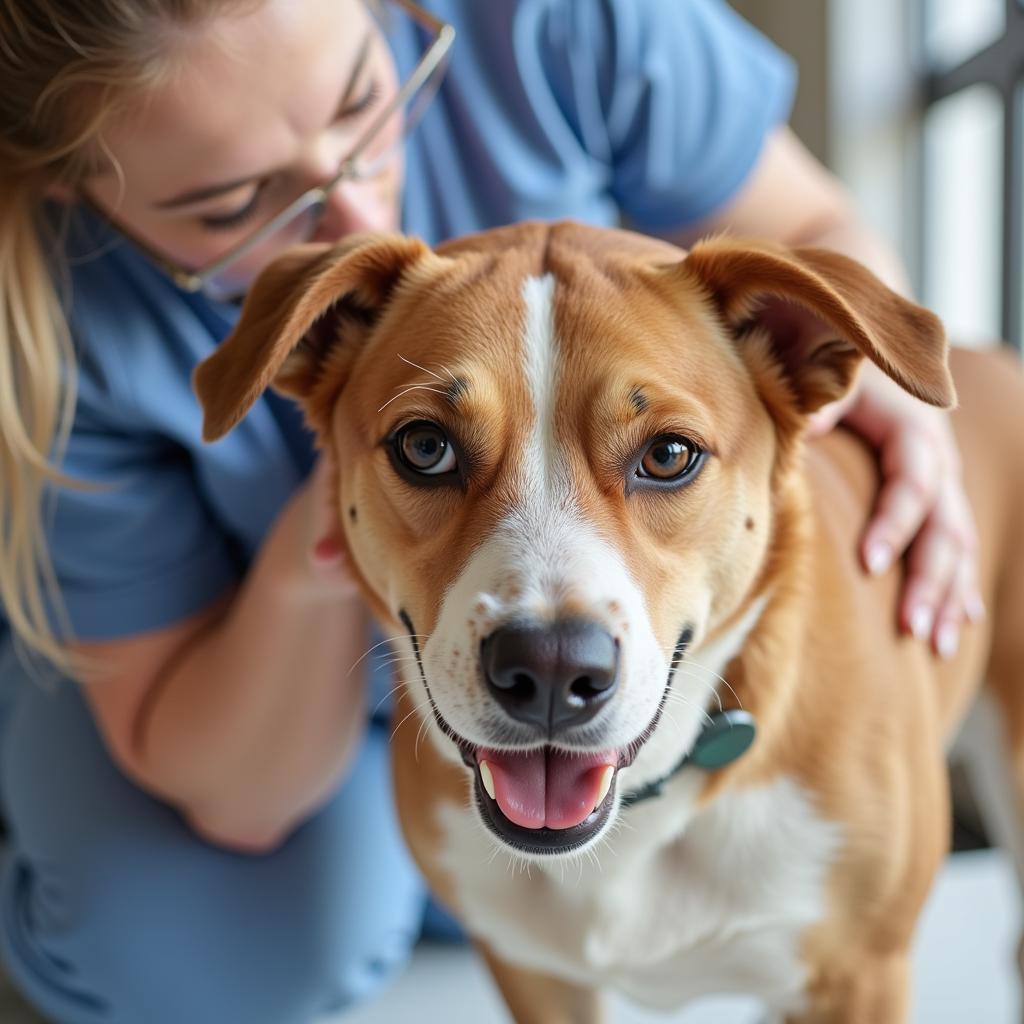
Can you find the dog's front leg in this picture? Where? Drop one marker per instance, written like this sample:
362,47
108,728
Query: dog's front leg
869,990
541,998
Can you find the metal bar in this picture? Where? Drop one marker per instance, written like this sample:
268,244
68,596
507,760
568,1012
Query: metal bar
1013,223
1000,64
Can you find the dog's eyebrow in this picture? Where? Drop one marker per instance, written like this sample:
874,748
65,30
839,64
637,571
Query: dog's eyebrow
638,399
456,391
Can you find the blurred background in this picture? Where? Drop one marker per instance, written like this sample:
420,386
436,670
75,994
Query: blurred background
918,105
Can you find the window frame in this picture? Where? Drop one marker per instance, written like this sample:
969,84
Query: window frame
999,65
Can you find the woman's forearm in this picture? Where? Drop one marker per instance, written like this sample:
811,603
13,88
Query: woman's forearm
250,726
850,237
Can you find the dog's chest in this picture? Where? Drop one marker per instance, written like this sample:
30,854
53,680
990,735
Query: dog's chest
664,912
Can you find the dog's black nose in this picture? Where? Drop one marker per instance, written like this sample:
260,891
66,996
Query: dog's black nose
554,676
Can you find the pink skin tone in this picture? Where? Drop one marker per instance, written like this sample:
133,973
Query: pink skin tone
286,128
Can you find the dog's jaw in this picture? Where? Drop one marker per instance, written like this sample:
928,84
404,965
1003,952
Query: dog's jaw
514,576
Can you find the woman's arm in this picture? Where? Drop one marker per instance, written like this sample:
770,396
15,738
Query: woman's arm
921,507
246,715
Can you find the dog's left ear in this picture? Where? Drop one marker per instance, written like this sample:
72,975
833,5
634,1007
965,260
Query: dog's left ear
823,313
301,321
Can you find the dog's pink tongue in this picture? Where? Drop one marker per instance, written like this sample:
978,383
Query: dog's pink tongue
547,787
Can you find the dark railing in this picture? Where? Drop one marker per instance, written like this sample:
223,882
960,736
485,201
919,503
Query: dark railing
1001,66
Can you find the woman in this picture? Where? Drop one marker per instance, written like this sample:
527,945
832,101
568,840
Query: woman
200,826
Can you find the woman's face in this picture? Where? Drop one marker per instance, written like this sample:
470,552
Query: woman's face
261,106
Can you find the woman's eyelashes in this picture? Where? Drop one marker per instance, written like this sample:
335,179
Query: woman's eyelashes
236,218
364,103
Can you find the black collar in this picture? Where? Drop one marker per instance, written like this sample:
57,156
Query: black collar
726,736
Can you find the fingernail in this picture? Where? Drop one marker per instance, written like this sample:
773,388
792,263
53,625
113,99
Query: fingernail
974,607
921,619
948,640
879,557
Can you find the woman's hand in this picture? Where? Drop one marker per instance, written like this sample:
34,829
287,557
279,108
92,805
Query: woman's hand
921,508
324,556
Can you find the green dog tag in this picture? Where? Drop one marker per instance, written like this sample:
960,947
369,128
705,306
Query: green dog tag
727,736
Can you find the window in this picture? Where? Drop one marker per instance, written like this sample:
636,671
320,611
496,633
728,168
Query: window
972,223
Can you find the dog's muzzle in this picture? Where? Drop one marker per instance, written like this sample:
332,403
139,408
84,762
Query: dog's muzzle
553,677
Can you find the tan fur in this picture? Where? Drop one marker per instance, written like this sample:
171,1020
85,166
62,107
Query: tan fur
732,345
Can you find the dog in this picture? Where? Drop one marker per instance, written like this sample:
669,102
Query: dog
657,729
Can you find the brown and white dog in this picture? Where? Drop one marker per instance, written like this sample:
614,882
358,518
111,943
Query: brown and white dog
572,480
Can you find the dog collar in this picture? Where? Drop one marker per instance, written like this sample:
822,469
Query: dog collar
726,736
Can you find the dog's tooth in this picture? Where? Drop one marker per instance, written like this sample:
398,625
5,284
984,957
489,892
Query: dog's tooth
487,778
606,784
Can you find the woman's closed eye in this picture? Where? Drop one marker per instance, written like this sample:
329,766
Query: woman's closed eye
242,215
363,104
239,216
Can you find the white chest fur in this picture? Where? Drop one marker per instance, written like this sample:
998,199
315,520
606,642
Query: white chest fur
718,906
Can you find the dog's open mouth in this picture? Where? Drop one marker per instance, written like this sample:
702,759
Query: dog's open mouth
545,800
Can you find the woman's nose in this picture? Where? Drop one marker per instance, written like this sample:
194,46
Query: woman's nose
353,206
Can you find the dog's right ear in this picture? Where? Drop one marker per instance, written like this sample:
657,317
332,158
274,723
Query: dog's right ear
294,318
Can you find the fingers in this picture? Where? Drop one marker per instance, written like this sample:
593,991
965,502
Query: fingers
911,478
922,511
940,592
933,562
828,416
960,602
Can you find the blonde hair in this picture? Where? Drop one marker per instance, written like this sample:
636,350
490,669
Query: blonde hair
66,68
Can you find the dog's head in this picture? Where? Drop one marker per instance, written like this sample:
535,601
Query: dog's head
558,450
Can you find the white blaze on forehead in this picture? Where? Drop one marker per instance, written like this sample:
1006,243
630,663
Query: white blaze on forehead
540,356
542,557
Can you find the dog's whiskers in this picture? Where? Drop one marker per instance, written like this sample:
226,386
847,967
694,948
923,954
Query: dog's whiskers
455,379
704,672
419,733
386,640
431,372
681,699
697,677
412,387
409,362
387,696
390,660
422,704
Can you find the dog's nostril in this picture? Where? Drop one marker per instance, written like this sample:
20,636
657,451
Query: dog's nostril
586,688
522,686
582,687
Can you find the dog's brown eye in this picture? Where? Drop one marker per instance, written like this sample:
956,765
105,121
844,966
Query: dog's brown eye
424,448
669,458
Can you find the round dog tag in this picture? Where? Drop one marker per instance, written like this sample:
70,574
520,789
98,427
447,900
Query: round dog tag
727,736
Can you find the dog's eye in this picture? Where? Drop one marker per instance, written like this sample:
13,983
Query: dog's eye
424,448
669,458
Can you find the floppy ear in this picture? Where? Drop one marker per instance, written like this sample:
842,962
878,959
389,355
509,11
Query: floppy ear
823,313
292,323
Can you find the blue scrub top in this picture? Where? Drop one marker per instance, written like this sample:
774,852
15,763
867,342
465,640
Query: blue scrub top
651,112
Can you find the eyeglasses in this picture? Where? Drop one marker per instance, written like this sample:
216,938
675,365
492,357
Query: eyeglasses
371,154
